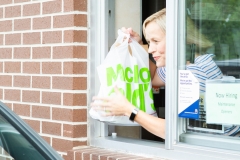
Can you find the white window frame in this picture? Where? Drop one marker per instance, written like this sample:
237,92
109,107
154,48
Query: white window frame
98,132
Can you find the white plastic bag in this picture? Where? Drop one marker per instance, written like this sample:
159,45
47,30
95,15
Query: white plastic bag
130,73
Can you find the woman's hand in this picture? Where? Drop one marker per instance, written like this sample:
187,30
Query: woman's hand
133,34
115,105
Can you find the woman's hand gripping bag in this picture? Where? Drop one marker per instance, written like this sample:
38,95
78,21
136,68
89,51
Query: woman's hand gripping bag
130,73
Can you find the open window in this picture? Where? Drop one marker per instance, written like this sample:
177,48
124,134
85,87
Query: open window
132,15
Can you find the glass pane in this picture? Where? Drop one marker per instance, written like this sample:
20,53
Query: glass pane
213,56
13,145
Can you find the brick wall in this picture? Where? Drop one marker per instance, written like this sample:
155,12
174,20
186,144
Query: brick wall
43,67
93,153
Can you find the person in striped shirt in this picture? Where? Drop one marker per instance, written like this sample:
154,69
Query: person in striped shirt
203,68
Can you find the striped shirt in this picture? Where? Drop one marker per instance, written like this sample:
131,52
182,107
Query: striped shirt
203,68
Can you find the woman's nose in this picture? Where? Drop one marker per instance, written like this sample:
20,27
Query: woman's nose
151,48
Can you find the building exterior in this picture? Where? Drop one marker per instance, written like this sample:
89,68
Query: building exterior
49,52
44,67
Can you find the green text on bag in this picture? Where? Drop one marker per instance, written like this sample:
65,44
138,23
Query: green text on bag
132,76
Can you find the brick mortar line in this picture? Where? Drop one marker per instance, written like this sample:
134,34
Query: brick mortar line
47,105
45,90
45,15
63,153
38,104
53,75
74,28
31,2
47,60
54,121
47,45
64,138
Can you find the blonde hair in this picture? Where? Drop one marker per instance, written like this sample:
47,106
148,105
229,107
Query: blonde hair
193,35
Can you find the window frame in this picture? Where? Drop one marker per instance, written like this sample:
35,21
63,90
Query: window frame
98,131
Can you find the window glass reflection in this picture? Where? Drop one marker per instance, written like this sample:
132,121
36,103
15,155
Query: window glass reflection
212,52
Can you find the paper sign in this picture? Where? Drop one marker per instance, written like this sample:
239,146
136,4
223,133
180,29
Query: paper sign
223,103
188,95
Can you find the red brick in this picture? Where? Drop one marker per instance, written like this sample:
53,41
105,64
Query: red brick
12,67
31,67
1,94
2,2
6,81
32,38
1,67
74,99
22,52
41,112
70,20
75,36
21,81
19,1
75,5
31,9
52,7
6,53
22,24
63,52
1,12
71,83
9,105
6,26
47,139
70,115
31,96
52,37
74,131
42,23
41,82
34,124
13,39
51,98
86,152
65,145
12,94
1,39
51,128
74,68
12,11
51,67
21,109
41,52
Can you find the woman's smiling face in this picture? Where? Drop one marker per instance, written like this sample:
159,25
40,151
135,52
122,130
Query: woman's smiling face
156,39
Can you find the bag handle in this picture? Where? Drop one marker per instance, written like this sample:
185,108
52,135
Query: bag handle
122,39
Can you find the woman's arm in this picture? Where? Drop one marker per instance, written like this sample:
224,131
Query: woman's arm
118,105
153,124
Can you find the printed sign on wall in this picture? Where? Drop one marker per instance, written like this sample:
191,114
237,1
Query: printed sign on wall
188,95
222,103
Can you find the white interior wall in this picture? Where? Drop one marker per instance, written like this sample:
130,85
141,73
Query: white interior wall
128,14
